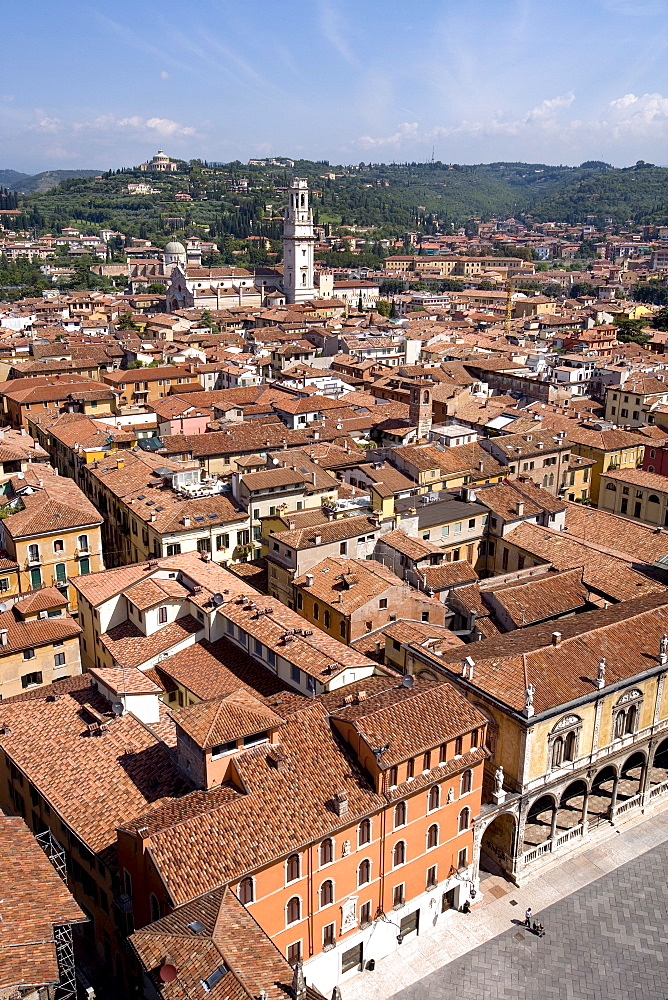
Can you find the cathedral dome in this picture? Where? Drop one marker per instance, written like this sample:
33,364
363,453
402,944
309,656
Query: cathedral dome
175,247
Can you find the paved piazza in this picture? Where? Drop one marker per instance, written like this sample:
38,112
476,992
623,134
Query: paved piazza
608,940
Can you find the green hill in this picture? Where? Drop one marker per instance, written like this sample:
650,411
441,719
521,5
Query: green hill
211,200
14,180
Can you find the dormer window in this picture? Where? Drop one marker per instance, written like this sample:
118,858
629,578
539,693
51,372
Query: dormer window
223,748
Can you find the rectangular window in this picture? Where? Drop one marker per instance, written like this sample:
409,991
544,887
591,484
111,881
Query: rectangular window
222,542
174,550
463,858
316,611
327,619
4,583
398,895
365,914
61,572
296,674
294,952
342,629
271,658
343,548
84,566
432,880
30,680
300,601
59,660
382,603
162,615
328,936
28,654
352,959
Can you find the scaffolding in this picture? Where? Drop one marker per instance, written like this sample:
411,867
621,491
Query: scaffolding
67,987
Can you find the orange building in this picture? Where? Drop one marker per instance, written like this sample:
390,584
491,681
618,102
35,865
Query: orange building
342,824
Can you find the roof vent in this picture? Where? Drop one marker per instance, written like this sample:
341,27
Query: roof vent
556,638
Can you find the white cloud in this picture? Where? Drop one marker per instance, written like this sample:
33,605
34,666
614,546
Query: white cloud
165,75
137,124
646,117
632,110
332,29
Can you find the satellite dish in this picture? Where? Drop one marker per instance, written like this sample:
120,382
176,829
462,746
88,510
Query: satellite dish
407,681
168,972
117,707
274,461
3,607
217,599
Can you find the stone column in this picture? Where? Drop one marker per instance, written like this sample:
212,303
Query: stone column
585,802
613,803
645,777
553,827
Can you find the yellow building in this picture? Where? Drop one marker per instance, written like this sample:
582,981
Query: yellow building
608,449
39,643
578,727
51,531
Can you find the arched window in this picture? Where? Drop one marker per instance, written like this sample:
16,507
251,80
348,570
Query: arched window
293,910
432,836
626,713
246,893
364,832
392,776
426,761
653,498
434,797
464,819
292,868
558,751
544,481
466,783
327,893
364,872
155,907
564,740
650,468
611,486
399,853
425,396
326,852
399,814
551,479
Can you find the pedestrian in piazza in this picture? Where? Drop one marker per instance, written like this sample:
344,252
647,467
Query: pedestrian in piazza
527,917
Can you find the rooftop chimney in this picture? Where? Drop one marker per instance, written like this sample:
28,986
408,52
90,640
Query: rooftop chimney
309,580
4,637
186,522
520,508
341,803
318,539
556,638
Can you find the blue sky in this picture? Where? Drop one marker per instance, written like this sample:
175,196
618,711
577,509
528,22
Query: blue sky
101,85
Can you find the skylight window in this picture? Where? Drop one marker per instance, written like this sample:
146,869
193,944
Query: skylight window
215,977
196,926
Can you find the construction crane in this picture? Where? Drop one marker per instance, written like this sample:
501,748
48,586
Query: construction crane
509,307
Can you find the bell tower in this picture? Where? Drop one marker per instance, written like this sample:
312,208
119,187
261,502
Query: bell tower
298,242
420,412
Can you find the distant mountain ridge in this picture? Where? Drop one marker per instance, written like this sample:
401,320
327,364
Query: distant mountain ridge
14,180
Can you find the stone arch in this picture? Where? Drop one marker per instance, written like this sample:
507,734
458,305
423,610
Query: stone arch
601,793
631,775
572,805
539,820
498,844
659,771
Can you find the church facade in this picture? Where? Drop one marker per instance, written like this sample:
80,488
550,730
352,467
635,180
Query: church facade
194,286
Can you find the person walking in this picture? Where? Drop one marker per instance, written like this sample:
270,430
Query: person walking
527,917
